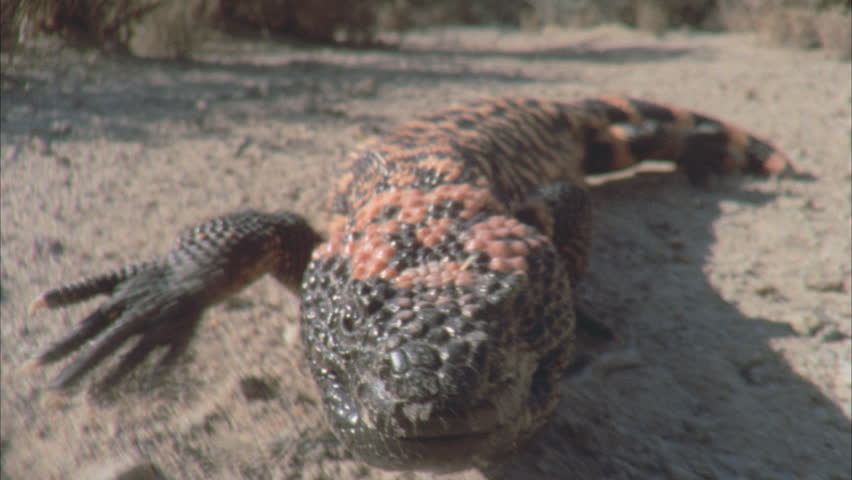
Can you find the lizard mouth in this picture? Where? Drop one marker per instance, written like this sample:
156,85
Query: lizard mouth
444,439
450,452
446,453
421,423
420,437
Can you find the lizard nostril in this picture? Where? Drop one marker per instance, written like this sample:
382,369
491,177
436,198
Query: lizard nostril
347,323
348,319
372,307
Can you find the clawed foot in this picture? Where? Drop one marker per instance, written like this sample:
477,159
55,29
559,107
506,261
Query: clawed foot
144,305
162,301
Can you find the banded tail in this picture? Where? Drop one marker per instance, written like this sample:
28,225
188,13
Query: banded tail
641,130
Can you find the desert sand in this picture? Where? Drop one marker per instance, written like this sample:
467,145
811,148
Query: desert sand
730,304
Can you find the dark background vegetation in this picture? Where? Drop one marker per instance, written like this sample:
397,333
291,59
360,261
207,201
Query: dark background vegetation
173,28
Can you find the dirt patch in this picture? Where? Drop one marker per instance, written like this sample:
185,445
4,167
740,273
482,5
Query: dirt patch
731,304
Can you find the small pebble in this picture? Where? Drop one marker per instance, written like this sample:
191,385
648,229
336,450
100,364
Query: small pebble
257,388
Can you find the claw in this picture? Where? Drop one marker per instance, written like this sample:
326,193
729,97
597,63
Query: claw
89,328
88,287
37,304
111,342
30,365
130,361
180,341
177,338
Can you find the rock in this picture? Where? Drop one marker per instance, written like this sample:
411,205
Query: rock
257,388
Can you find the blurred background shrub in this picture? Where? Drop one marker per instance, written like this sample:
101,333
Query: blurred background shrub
172,28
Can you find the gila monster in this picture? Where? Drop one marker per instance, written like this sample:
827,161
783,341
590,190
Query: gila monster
438,313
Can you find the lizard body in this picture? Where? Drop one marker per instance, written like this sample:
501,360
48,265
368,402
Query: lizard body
438,312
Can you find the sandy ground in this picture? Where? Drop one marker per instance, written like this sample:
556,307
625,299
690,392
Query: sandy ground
731,303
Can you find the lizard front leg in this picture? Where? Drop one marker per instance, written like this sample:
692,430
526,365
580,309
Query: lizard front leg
162,300
562,210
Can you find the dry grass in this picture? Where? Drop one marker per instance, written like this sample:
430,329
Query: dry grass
317,20
835,32
173,28
652,15
800,23
107,23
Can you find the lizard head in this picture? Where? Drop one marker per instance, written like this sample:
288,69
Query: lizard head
450,359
